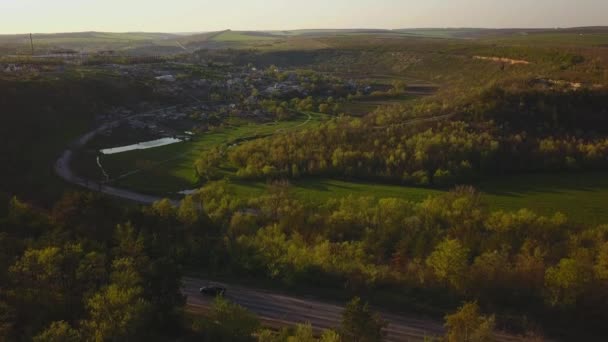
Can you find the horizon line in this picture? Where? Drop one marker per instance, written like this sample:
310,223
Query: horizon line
320,29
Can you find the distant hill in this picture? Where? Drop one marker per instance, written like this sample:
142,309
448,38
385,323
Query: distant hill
85,41
158,43
472,33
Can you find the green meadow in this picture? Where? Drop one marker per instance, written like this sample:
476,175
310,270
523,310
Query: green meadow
170,168
583,197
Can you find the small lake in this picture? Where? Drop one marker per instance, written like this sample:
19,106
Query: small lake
141,146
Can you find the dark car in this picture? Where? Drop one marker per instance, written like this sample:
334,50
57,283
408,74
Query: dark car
213,291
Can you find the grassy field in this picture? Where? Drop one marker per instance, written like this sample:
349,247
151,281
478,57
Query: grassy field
582,197
554,39
170,169
235,36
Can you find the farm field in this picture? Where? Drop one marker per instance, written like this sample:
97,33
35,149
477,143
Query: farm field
235,36
555,39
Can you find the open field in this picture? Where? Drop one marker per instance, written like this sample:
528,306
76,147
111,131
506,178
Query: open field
554,39
582,197
170,169
236,36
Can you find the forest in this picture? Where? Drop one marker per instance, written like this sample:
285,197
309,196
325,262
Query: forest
77,271
510,128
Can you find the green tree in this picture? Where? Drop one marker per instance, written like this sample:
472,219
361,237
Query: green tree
360,324
324,108
449,262
468,325
207,165
330,336
59,332
565,282
189,212
117,313
601,264
303,333
232,322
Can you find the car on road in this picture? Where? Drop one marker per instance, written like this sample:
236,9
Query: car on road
213,291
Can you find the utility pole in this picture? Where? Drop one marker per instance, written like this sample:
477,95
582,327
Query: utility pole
32,43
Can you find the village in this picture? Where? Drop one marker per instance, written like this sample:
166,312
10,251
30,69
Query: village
199,98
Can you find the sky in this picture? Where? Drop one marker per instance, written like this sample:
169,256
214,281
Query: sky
45,16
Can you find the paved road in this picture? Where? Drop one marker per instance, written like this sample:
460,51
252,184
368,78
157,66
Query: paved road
278,310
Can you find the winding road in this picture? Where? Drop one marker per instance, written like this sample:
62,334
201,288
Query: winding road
63,166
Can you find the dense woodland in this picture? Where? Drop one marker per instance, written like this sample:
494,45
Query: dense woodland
76,270
518,127
433,253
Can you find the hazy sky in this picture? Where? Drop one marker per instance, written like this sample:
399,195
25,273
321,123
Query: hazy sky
21,16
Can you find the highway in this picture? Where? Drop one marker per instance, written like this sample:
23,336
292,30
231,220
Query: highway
279,310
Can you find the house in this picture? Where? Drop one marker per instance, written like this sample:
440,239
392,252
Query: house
12,68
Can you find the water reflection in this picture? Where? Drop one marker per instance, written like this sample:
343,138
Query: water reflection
141,146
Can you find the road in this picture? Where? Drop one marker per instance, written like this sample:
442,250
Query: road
63,167
278,310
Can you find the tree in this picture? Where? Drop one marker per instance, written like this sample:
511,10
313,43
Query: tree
207,165
7,319
330,336
59,332
565,282
231,322
189,212
46,286
360,324
468,325
324,108
449,262
117,314
303,333
130,244
601,264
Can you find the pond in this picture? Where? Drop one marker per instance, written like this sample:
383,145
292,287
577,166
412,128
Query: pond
141,146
